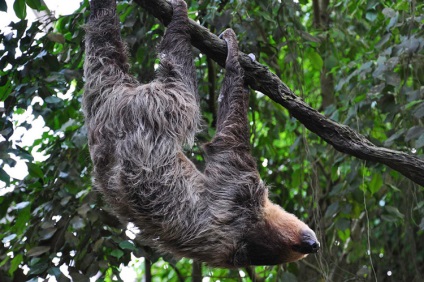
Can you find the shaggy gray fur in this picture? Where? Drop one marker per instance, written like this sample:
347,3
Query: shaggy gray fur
136,136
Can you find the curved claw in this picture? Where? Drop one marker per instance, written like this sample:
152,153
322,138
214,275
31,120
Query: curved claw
176,3
231,39
227,34
221,35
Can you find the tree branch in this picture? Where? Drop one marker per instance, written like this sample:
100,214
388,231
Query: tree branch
341,137
196,273
147,270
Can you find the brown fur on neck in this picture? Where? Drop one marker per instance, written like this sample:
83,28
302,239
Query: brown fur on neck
271,241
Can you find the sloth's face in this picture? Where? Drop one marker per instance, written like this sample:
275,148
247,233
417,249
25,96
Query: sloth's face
281,237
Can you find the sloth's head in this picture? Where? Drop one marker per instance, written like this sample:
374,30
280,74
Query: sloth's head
279,238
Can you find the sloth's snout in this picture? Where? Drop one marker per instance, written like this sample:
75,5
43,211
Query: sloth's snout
310,246
309,243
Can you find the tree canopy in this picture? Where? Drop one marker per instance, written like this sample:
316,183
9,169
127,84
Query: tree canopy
336,114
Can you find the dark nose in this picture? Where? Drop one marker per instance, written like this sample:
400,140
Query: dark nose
309,243
310,246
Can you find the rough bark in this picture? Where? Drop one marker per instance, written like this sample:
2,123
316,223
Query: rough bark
341,137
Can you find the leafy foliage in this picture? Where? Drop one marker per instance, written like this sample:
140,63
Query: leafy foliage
363,66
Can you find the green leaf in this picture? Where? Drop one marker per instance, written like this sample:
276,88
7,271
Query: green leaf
77,276
332,210
126,245
288,277
47,233
316,60
37,268
98,244
20,9
3,6
371,15
14,264
4,177
37,251
420,142
331,62
52,100
394,212
419,111
394,188
84,209
342,224
309,37
77,222
395,136
376,183
392,22
414,133
35,171
22,220
343,234
55,271
4,261
389,12
296,178
35,4
117,253
266,16
402,5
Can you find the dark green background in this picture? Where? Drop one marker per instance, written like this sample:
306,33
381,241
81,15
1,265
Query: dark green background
361,63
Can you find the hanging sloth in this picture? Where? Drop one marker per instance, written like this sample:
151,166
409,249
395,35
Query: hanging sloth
136,133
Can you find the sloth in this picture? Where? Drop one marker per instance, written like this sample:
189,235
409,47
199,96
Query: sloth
136,135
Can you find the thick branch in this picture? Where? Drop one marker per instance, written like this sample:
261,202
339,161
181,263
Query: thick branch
341,137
